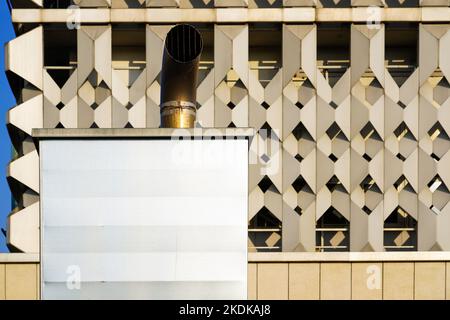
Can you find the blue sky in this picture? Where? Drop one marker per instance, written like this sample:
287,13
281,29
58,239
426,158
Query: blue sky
6,102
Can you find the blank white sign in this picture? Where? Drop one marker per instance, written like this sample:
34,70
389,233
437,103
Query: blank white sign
144,219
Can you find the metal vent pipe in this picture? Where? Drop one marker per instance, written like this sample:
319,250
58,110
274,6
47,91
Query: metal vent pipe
182,49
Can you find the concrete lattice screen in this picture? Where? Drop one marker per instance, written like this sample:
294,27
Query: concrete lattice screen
236,3
358,126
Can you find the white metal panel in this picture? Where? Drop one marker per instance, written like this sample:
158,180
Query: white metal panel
144,219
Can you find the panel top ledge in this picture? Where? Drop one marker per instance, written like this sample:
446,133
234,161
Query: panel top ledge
162,133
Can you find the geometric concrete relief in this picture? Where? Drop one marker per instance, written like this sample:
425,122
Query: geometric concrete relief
123,4
23,170
329,3
344,158
205,93
434,141
162,3
300,3
368,3
60,103
189,4
401,162
231,82
265,174
94,77
367,137
27,3
230,3
333,159
155,36
93,3
265,3
231,76
434,3
299,137
129,84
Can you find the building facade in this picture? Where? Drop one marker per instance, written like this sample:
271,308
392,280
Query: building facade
350,100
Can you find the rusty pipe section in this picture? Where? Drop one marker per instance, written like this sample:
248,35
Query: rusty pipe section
182,49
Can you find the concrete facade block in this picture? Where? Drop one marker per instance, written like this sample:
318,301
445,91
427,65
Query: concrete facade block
252,281
304,281
273,281
21,281
335,281
429,281
2,282
398,281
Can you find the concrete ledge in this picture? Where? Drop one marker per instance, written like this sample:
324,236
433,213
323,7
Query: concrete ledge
348,256
19,258
231,15
293,257
142,133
